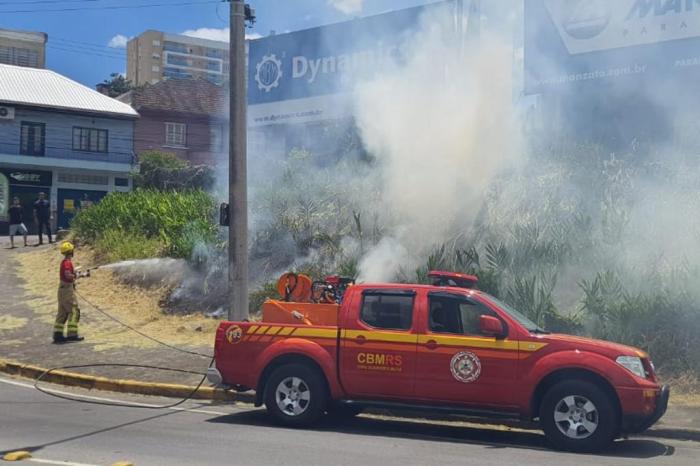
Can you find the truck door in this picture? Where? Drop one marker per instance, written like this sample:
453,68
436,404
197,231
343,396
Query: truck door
456,364
378,345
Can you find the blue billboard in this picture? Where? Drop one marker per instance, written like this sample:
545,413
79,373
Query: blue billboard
588,42
326,60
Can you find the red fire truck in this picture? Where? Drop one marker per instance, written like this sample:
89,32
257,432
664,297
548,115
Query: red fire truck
446,348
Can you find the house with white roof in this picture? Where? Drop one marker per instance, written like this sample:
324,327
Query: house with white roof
61,138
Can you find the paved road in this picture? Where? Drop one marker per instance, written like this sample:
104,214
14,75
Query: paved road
62,431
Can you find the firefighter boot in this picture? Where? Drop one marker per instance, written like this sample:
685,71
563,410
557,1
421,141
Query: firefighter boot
58,337
75,338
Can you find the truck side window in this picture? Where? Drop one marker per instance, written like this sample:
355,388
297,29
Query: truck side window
457,316
387,311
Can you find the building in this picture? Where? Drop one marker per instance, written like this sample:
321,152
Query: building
617,73
187,117
154,56
23,48
62,138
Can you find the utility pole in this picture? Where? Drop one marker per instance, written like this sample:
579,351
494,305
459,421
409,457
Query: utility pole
237,181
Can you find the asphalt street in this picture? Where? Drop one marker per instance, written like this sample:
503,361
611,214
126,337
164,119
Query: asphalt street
71,433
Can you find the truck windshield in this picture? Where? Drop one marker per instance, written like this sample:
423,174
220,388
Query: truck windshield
515,314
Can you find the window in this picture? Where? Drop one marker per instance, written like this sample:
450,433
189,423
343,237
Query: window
156,43
32,137
124,182
155,68
216,137
175,134
78,178
387,310
457,315
89,139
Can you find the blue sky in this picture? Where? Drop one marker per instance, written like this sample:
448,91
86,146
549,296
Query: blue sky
79,41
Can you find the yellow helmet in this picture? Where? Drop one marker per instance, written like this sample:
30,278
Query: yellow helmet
67,248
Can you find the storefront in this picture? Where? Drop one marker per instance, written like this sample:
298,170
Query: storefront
26,185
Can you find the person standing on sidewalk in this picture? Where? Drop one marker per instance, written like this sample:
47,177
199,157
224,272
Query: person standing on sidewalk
16,222
42,216
68,310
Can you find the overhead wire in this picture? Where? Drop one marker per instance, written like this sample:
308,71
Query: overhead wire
112,7
189,396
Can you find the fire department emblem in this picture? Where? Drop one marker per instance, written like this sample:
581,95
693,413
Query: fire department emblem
465,366
234,334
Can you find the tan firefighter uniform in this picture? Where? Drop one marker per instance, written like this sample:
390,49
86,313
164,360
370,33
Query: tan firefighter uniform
68,309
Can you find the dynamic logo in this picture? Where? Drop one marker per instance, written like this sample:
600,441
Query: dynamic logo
465,366
234,334
586,19
268,73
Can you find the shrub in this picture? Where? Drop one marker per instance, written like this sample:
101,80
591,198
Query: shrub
118,245
176,220
166,171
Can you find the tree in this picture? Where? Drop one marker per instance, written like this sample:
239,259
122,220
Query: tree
116,86
166,171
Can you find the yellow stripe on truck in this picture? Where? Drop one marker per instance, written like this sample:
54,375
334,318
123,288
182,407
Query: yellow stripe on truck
315,332
381,336
473,342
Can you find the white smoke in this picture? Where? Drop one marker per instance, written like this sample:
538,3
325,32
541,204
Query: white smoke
442,126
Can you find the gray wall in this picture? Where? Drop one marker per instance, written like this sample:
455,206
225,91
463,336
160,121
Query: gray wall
59,135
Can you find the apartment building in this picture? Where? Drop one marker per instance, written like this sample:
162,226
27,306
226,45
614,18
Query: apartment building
155,56
23,48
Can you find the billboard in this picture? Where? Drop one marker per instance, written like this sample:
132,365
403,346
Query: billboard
580,42
297,77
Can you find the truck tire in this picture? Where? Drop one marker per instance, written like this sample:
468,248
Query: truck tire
296,395
579,416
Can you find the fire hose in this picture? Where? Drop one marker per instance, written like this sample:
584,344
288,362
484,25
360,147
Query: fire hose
86,273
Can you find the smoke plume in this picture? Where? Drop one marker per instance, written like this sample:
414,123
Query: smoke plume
442,126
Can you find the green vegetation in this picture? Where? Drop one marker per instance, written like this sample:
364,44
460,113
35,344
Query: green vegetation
573,240
167,171
145,223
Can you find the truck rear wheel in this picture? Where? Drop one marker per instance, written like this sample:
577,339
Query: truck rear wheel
296,395
579,416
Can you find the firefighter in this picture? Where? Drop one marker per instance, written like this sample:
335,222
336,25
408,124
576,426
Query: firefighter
68,310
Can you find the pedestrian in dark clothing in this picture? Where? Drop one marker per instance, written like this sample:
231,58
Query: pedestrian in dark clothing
42,216
16,222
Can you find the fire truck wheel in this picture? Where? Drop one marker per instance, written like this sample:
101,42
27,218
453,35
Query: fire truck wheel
579,416
296,395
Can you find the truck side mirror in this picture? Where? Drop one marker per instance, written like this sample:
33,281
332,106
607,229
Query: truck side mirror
489,325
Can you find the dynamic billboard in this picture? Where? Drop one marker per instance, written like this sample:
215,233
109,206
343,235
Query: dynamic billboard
571,42
296,77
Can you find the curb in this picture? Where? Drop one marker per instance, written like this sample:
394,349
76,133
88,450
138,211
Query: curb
92,382
674,433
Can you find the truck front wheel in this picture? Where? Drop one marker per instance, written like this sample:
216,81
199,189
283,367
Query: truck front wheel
579,416
295,395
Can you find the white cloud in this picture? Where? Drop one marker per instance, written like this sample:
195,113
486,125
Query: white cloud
221,35
118,42
348,7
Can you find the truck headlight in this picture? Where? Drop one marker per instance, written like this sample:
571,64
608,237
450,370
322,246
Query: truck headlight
632,364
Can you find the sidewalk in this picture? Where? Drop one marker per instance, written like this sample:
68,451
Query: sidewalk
26,336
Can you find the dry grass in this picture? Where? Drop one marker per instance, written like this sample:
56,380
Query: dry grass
135,306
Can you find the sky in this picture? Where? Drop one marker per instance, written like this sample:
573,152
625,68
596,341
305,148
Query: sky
87,38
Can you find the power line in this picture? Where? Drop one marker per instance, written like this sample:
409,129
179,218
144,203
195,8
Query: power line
112,7
87,52
73,42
